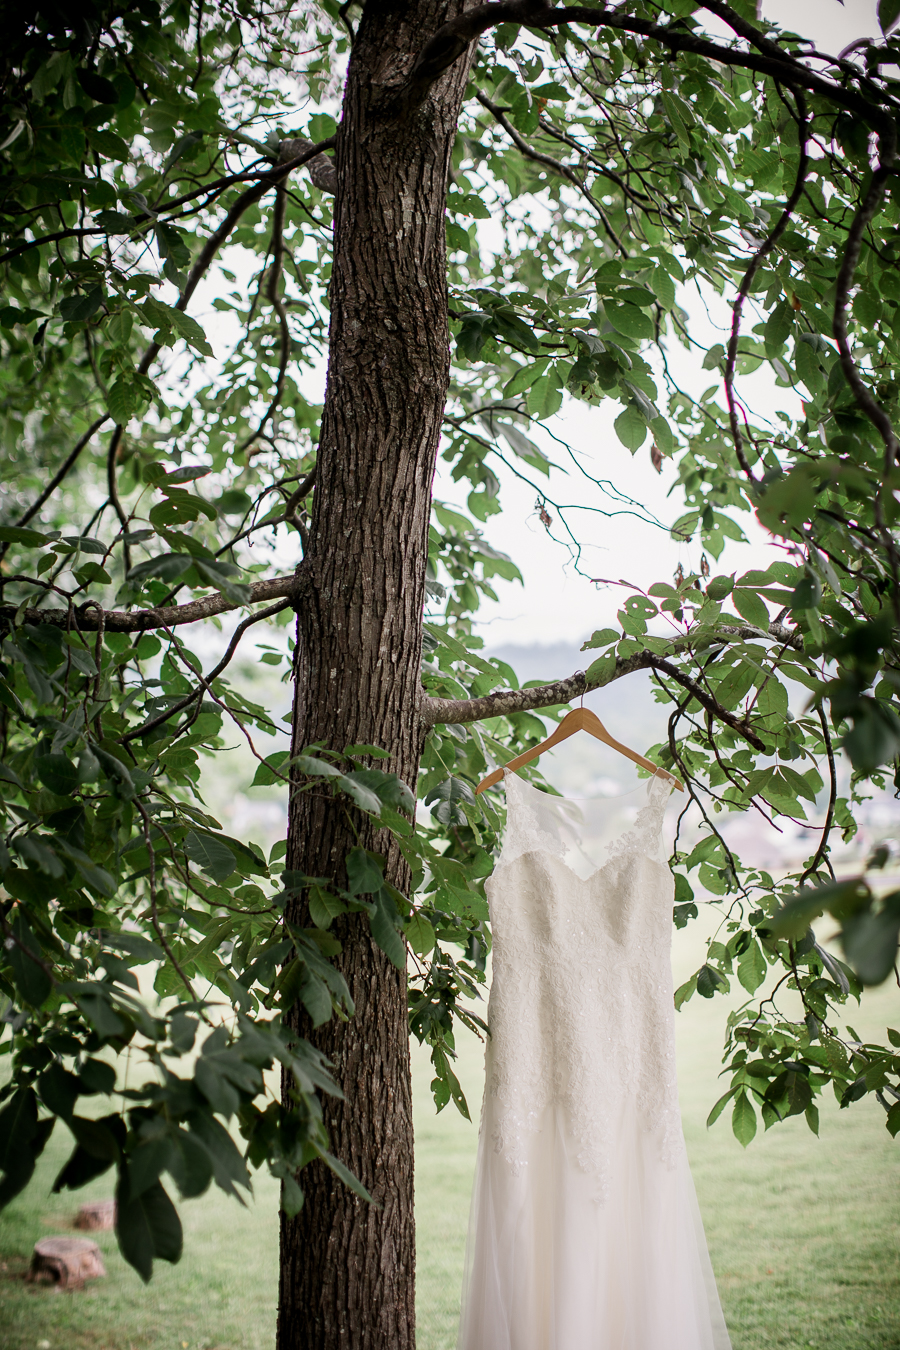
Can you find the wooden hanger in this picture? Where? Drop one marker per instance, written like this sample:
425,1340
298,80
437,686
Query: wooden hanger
579,719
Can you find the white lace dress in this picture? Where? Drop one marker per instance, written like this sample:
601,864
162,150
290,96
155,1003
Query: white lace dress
585,1232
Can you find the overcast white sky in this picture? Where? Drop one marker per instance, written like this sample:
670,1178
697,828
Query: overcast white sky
556,604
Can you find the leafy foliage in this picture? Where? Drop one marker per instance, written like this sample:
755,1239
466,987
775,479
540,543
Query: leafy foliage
165,245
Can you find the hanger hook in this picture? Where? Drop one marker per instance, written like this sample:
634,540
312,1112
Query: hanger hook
583,683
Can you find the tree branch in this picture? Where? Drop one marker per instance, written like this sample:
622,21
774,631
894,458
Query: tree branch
321,169
145,620
868,208
509,701
453,38
876,414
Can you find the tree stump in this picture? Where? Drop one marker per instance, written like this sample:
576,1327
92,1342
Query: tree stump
66,1262
96,1215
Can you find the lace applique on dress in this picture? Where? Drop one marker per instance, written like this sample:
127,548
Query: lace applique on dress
645,838
526,829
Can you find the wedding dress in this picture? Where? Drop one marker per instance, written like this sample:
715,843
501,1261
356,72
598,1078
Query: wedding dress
585,1232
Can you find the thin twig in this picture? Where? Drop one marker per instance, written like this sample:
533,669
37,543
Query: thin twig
214,674
272,290
112,456
154,914
822,851
756,261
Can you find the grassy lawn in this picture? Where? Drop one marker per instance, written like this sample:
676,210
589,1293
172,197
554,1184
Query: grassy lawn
804,1234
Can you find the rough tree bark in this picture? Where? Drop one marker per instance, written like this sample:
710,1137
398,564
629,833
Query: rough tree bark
347,1268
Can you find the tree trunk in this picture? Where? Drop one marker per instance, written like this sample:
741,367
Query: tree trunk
347,1268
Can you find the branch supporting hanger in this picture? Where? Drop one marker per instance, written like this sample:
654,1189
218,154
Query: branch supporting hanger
579,719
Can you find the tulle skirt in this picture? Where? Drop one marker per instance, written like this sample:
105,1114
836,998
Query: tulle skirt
555,1262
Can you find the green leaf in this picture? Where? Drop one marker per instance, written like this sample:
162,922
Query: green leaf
358,790
735,684
798,911
601,671
315,767
147,1227
17,534
166,316
630,321
97,1076
314,995
420,935
631,429
59,1090
778,327
344,1174
179,508
18,1122
525,377
684,992
749,605
210,853
117,773
108,144
96,87
57,773
447,797
870,942
79,308
123,400
324,906
719,1107
22,1140
743,1119
272,770
544,397
603,637
365,872
26,959
888,14
708,981
752,967
98,1146
387,787
384,922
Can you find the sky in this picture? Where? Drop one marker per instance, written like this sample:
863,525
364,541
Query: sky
556,604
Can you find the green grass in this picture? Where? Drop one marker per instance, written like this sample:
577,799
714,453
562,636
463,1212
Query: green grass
221,1296
803,1233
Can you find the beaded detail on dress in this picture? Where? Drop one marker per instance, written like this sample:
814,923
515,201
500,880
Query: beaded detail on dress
581,1007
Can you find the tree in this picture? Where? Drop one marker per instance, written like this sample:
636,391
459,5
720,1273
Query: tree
153,158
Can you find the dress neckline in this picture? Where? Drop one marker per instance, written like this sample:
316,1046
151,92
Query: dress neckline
530,831
644,784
